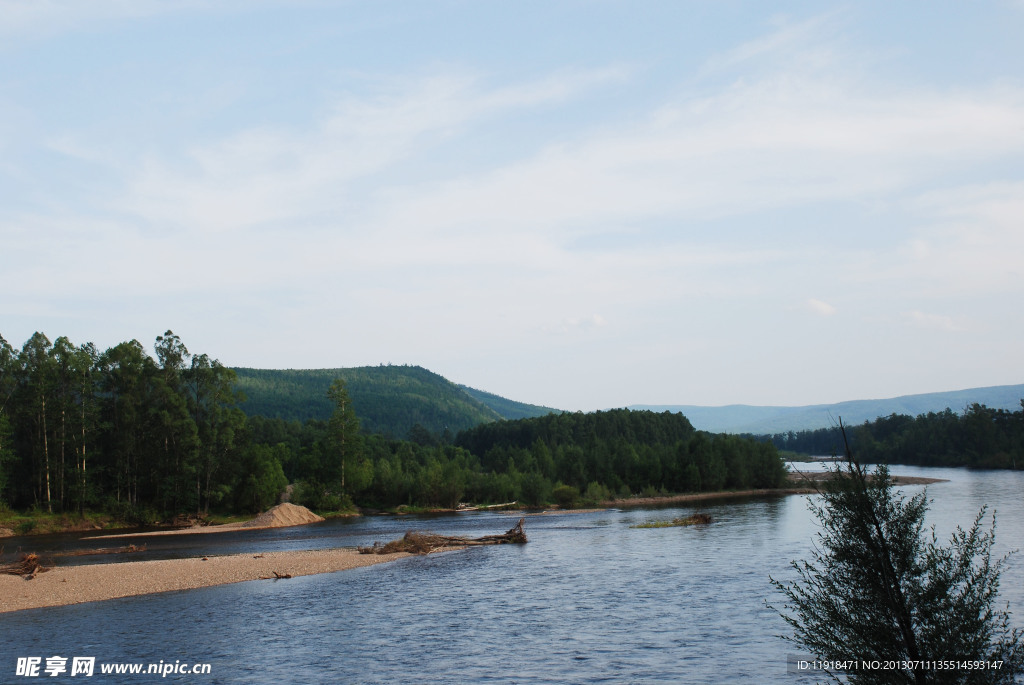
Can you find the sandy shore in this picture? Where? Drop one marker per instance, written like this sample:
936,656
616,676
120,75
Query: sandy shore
701,496
815,478
800,484
76,584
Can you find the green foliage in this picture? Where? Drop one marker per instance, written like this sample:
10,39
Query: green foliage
346,444
389,400
6,456
596,493
144,438
979,437
148,438
263,479
508,409
318,497
565,496
878,588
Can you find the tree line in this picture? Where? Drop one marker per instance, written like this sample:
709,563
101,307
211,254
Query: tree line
121,431
148,437
980,437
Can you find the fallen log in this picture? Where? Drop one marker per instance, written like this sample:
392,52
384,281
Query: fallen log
276,576
28,565
102,550
425,543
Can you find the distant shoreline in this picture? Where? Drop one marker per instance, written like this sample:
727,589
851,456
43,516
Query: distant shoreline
800,484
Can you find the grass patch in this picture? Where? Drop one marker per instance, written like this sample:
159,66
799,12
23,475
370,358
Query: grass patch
36,522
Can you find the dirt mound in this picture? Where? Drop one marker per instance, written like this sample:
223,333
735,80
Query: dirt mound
286,514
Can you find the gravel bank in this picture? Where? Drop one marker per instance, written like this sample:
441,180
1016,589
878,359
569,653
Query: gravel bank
76,584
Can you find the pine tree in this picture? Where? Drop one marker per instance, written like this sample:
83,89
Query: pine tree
879,588
344,428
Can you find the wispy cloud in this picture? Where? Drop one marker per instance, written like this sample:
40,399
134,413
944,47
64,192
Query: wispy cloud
444,208
932,321
807,44
821,308
264,175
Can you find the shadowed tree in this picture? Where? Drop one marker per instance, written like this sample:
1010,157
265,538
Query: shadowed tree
8,382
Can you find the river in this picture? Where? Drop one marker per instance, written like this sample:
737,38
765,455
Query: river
587,600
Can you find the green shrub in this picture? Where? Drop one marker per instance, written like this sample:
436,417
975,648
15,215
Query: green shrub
566,496
597,493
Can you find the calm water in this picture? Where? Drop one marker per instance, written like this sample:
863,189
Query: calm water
587,600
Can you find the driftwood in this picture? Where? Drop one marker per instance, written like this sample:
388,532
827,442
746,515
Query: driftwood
102,550
28,565
276,576
425,543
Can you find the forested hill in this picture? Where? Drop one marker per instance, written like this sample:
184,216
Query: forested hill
388,399
509,409
623,450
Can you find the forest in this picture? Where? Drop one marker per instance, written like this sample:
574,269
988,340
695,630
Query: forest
391,399
147,438
980,437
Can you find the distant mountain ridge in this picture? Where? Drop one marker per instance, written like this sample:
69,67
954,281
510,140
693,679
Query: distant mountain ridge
392,399
742,418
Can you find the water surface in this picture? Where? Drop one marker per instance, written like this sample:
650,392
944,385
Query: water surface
587,600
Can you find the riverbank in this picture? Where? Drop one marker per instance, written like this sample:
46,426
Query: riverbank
281,516
799,484
65,585
810,480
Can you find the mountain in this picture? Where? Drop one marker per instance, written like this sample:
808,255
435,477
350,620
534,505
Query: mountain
388,399
742,418
509,409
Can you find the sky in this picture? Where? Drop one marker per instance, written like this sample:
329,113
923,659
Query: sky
578,204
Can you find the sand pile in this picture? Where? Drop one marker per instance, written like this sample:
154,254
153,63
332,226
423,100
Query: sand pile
286,514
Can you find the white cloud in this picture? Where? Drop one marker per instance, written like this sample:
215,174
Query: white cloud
264,175
969,240
800,45
434,214
767,145
932,321
819,307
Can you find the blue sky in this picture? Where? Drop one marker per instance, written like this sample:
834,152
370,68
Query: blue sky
578,204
